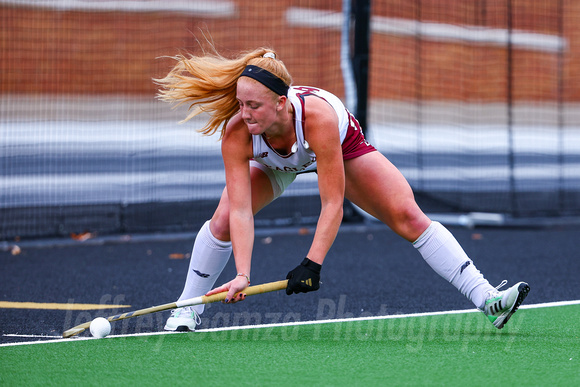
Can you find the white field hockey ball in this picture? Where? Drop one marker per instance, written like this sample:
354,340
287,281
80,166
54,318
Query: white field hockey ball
100,327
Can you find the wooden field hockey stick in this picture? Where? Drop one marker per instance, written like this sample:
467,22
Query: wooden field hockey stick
249,291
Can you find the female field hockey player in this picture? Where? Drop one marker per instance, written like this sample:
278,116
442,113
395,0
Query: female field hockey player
271,130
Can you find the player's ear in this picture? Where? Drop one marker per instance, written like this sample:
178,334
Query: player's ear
281,102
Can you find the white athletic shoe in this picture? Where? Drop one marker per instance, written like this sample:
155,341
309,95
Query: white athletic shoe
183,319
500,306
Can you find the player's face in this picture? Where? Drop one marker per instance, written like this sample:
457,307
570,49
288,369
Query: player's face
258,105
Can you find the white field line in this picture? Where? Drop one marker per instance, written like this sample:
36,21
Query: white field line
298,323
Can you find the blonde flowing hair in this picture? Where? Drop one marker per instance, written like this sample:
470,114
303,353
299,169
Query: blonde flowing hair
208,84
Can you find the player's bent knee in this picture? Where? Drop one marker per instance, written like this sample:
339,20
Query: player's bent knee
410,223
220,226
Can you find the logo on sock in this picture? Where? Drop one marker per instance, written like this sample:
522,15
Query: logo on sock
199,273
464,266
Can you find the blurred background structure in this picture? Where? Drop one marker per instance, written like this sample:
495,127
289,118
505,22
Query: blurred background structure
476,101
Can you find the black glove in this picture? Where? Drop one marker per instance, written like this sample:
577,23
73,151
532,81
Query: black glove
305,278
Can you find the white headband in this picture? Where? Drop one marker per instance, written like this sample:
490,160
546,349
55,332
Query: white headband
269,55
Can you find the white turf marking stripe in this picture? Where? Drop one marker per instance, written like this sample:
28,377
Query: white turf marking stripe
32,336
390,317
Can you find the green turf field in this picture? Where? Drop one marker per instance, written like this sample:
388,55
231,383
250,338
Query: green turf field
539,346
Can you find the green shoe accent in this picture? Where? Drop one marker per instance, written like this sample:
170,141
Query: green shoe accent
502,305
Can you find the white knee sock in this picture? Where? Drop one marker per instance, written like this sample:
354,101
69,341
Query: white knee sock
443,253
208,259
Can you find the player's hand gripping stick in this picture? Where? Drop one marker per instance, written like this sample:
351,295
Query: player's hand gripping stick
304,278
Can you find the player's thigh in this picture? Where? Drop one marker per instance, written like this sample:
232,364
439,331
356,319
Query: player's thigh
374,184
262,195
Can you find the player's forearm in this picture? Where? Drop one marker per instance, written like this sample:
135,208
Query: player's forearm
242,234
326,230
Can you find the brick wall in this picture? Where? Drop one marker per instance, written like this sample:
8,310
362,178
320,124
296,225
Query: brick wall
73,52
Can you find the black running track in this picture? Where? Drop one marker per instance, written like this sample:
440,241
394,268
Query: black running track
369,271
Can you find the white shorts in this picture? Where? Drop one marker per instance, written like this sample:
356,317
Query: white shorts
279,180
